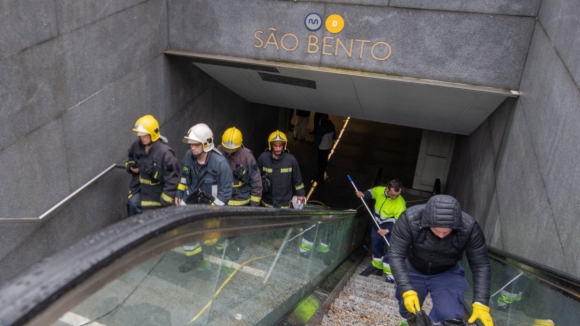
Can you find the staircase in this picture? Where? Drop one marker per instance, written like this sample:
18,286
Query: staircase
366,301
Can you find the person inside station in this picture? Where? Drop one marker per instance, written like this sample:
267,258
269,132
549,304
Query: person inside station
427,244
153,167
206,178
280,174
389,205
247,185
247,181
324,140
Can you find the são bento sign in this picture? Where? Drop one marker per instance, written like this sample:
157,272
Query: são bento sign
327,45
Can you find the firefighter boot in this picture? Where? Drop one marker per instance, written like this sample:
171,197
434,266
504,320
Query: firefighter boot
200,266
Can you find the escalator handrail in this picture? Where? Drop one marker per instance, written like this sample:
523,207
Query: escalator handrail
562,282
97,258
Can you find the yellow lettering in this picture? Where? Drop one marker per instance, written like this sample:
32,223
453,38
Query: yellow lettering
385,57
258,38
272,39
362,46
325,45
313,41
348,52
295,41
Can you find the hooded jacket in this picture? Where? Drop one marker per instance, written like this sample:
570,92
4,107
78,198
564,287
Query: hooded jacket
414,245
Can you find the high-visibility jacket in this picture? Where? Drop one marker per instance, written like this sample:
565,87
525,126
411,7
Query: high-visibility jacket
283,174
158,173
386,209
243,162
214,177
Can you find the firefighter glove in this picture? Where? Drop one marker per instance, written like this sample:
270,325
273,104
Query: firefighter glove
481,312
129,165
412,301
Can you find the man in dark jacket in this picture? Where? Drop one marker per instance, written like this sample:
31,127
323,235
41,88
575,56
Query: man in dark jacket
247,186
153,167
206,178
427,243
280,172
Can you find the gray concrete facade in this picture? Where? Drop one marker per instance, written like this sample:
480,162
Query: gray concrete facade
433,43
517,174
74,77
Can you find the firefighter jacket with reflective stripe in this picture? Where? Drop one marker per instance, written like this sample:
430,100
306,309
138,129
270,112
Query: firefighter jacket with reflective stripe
386,209
244,167
214,177
158,173
283,173
414,245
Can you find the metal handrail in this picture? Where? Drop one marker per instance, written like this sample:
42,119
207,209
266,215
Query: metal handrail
53,209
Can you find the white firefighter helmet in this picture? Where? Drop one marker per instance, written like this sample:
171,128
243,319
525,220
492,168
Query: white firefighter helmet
200,134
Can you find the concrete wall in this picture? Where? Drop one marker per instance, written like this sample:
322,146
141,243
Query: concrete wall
518,173
450,42
74,77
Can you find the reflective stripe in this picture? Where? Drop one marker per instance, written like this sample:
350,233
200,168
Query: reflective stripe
322,247
255,199
181,187
190,252
150,203
306,245
267,170
238,202
300,186
148,182
387,269
166,198
238,185
270,205
129,163
286,170
183,180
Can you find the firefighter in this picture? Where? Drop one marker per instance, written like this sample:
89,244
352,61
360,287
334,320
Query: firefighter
153,166
206,178
247,185
389,205
280,173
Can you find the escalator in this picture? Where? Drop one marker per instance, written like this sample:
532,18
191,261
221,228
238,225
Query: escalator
128,274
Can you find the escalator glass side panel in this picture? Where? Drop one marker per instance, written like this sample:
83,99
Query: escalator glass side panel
519,298
249,279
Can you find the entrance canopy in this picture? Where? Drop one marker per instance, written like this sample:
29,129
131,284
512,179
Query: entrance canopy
420,103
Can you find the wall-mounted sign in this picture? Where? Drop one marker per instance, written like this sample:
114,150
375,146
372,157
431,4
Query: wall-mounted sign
334,23
313,22
327,45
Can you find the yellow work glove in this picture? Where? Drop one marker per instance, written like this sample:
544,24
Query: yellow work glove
481,312
411,301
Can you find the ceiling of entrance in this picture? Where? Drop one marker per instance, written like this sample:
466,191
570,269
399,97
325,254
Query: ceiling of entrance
424,104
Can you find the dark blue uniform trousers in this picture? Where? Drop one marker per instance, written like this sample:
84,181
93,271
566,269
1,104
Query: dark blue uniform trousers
447,290
378,243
